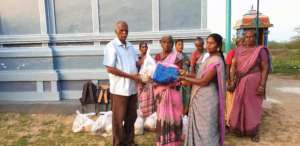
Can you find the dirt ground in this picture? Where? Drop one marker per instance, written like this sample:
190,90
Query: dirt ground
280,124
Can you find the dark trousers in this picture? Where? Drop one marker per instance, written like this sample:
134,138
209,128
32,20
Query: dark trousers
124,109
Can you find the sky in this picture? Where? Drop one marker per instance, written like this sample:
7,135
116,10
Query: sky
284,15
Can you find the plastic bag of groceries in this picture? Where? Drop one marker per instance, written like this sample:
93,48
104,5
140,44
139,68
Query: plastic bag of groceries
185,122
150,122
108,123
98,126
139,126
148,67
103,124
82,122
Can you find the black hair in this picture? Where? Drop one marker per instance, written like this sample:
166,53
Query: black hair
219,40
142,43
200,39
202,42
178,40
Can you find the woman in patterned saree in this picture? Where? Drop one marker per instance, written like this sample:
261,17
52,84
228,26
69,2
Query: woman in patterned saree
206,125
169,101
145,89
252,65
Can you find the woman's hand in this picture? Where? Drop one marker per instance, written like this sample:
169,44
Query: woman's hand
180,78
185,83
260,90
182,72
230,86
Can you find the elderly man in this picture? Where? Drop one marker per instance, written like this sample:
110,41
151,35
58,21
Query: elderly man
120,59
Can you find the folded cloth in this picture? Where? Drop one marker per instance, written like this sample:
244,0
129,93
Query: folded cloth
165,74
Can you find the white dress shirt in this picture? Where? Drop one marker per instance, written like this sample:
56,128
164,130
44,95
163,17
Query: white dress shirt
124,58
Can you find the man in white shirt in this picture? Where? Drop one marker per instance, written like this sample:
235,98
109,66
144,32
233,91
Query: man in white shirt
120,59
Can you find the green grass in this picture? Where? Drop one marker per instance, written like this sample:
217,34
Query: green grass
23,141
286,61
283,67
56,130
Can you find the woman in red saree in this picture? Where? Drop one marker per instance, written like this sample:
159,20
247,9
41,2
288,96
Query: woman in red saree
252,67
169,100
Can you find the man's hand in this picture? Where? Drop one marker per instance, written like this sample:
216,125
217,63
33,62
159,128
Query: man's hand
120,73
135,77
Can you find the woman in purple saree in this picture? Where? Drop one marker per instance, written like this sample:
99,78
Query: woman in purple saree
206,125
252,67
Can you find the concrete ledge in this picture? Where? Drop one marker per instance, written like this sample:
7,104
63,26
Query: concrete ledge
91,37
47,107
41,107
51,75
26,75
25,52
83,74
35,52
71,94
29,96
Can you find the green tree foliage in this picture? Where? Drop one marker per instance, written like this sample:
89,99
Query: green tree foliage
292,44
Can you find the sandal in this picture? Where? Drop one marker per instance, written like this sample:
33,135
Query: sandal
255,138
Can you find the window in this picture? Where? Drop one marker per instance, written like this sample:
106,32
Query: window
19,17
179,14
73,16
137,13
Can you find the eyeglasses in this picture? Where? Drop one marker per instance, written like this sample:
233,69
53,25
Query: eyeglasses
144,46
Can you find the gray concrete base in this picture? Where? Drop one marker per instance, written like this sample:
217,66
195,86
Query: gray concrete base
49,107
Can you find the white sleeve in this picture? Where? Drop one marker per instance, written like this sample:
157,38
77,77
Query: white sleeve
136,54
109,58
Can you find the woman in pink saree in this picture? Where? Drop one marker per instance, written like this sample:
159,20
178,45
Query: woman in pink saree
252,68
206,126
169,101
